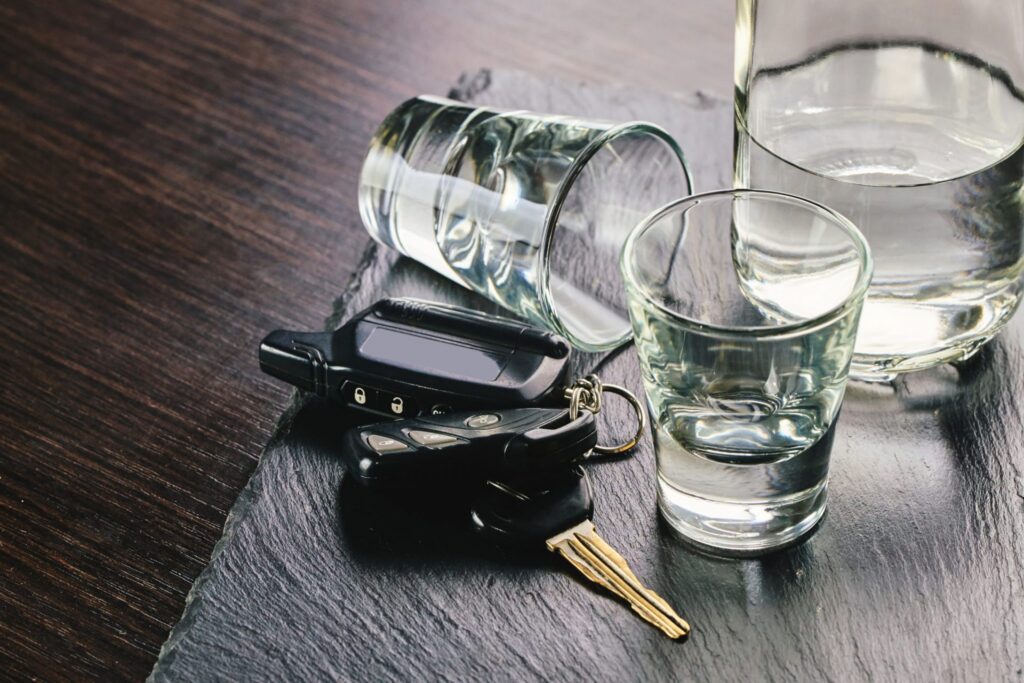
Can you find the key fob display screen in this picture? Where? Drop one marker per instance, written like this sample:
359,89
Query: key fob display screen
435,356
404,357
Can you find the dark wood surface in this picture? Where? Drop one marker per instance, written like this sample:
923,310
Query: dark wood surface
176,177
915,573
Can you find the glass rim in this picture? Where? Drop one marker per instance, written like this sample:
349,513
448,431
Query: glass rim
854,298
554,210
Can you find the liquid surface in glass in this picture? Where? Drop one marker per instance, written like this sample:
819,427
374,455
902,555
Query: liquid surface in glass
921,149
744,308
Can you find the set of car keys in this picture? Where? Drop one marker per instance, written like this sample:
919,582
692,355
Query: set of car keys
454,397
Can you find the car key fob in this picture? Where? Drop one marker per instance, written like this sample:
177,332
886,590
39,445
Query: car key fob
404,357
530,509
555,510
457,448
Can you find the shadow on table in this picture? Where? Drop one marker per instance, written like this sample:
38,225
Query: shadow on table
916,458
974,419
421,525
922,470
382,527
964,412
691,569
415,524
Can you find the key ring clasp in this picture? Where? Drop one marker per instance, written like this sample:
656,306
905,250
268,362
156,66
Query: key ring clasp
587,393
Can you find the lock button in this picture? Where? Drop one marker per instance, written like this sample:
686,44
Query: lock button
359,395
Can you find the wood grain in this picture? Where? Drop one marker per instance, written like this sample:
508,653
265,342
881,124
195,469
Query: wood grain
915,574
177,177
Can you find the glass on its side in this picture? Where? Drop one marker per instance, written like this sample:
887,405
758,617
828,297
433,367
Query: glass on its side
529,210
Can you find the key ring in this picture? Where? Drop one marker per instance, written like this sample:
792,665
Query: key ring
587,393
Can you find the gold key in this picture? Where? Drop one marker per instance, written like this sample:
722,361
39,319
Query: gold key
557,510
597,561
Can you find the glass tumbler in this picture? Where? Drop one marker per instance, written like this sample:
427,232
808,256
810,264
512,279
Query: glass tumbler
529,210
744,307
907,117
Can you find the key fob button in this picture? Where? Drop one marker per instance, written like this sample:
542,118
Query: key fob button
398,405
483,421
385,444
431,438
359,395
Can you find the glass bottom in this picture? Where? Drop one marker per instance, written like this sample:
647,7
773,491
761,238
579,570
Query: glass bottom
899,336
742,529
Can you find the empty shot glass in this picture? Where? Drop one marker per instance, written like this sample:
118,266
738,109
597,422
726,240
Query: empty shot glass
744,307
530,210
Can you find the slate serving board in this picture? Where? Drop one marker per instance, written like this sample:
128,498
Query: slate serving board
916,572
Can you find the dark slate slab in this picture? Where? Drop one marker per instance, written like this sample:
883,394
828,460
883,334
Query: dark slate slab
916,573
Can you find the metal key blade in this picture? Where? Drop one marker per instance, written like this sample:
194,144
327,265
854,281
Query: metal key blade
597,561
571,550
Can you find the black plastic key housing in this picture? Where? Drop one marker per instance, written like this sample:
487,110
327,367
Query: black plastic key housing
459,448
405,357
530,509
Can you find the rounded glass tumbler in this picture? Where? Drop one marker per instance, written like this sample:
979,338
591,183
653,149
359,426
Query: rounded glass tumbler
906,116
744,307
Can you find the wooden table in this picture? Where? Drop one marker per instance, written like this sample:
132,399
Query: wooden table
176,177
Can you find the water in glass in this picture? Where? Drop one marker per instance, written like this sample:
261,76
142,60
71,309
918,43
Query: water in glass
921,148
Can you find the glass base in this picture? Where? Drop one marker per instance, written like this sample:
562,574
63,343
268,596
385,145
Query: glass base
741,529
865,368
896,336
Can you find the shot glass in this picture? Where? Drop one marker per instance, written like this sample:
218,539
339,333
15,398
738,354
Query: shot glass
744,307
530,210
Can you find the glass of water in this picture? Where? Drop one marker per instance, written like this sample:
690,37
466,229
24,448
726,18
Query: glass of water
907,117
530,210
744,307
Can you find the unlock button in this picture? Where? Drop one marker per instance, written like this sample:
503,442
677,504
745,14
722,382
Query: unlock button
396,404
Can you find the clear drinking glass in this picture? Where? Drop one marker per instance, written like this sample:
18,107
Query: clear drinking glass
530,210
907,117
744,307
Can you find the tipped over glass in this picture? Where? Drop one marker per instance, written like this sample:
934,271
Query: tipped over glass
530,210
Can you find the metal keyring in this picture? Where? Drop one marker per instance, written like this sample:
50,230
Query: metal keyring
587,394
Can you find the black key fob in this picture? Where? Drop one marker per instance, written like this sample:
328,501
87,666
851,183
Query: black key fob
531,509
404,357
460,448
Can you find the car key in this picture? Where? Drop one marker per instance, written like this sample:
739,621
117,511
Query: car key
456,448
404,357
556,509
